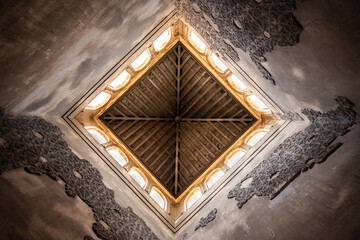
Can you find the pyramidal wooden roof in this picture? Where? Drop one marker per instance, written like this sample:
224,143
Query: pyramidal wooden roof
177,119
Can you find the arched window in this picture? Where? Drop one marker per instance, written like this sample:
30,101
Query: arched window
213,177
192,197
120,80
141,61
217,63
236,83
256,103
196,42
138,176
162,40
99,135
118,155
98,101
255,137
158,197
234,157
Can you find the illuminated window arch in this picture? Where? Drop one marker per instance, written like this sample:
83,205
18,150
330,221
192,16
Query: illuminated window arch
236,83
217,63
99,101
118,155
99,135
162,40
213,177
196,42
138,176
192,197
158,197
256,103
234,157
255,137
120,81
141,61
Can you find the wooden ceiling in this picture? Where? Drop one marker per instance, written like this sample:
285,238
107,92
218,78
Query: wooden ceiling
177,119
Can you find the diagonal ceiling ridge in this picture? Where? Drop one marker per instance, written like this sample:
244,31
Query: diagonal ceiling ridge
177,119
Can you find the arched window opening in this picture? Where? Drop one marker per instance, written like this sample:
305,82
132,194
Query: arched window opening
234,157
158,197
118,155
236,83
120,81
256,103
162,40
192,197
213,177
196,42
138,176
217,63
99,135
141,61
98,101
255,137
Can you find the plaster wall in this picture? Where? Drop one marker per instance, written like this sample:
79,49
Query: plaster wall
50,48
321,203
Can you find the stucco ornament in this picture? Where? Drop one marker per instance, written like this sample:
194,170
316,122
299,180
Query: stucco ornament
204,221
39,147
255,27
298,153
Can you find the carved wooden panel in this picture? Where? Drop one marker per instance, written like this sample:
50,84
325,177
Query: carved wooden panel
177,119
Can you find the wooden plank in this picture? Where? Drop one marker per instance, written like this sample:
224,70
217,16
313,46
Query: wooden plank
166,87
194,101
134,130
150,145
153,131
160,102
219,131
210,106
168,135
199,106
199,139
150,126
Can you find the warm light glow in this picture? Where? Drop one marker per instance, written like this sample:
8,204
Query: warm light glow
255,137
99,136
120,80
197,43
257,103
158,197
234,157
99,101
141,61
192,197
217,63
236,83
162,40
118,155
138,176
213,177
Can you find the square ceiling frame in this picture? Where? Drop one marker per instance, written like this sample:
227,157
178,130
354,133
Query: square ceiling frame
176,220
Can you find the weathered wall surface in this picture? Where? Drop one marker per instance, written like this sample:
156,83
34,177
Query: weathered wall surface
49,48
37,207
321,203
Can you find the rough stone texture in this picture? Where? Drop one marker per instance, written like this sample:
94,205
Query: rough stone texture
298,152
39,147
255,27
204,221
